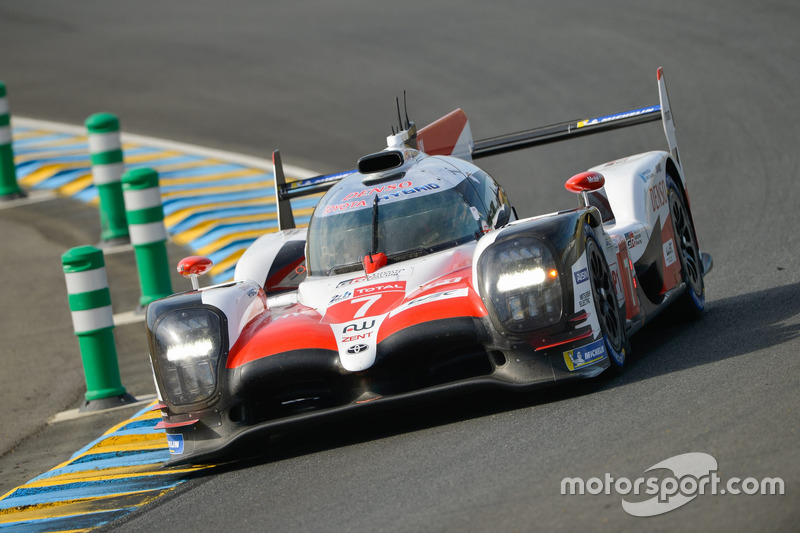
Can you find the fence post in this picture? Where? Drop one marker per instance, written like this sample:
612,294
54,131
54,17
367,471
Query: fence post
148,234
9,189
93,322
105,147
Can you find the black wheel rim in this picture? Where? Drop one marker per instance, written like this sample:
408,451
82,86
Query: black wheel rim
687,244
604,296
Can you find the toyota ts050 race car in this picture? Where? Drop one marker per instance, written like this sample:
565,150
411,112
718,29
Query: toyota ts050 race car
415,278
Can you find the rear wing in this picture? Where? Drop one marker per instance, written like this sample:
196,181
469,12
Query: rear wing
453,137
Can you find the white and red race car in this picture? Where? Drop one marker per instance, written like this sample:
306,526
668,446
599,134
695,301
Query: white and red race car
415,278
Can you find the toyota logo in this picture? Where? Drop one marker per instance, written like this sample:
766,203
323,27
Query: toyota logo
357,348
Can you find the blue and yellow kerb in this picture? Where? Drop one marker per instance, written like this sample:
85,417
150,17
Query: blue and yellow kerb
108,478
212,207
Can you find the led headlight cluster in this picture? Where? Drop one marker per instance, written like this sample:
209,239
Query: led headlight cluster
188,344
520,278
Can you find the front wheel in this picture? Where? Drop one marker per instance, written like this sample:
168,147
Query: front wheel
692,302
612,322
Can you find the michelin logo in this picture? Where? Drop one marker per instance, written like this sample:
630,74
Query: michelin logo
585,355
175,443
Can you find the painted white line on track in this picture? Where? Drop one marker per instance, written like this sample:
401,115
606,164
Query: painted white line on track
212,153
34,197
129,317
118,249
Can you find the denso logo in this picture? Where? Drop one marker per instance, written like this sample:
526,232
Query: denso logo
358,327
658,195
377,190
581,275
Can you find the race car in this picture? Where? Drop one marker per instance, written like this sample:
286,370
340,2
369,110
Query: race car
416,279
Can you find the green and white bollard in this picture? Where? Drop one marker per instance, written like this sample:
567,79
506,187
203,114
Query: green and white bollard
9,189
105,147
93,322
147,231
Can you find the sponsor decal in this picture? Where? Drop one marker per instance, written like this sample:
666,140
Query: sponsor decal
633,239
357,348
383,273
585,299
381,287
377,190
175,443
358,327
646,175
445,295
616,277
658,195
393,194
581,276
359,337
340,297
585,355
669,253
441,282
617,116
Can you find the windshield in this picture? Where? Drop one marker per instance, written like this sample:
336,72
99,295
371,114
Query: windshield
440,218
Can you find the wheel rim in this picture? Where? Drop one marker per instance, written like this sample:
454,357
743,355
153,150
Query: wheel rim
687,244
604,297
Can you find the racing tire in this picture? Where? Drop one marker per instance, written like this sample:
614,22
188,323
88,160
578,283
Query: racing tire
612,322
692,302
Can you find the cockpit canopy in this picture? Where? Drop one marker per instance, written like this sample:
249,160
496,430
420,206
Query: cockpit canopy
431,204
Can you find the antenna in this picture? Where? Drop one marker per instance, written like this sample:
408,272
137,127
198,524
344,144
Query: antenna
374,249
405,108
399,118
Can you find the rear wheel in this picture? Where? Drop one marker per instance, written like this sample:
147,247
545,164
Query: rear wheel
605,302
692,302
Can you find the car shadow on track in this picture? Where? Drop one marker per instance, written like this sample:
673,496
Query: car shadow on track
732,327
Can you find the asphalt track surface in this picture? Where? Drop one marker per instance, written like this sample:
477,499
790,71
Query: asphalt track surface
317,79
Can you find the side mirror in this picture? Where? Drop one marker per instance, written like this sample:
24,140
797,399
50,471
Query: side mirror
193,267
502,217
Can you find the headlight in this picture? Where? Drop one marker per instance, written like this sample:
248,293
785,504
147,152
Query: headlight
188,345
519,277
